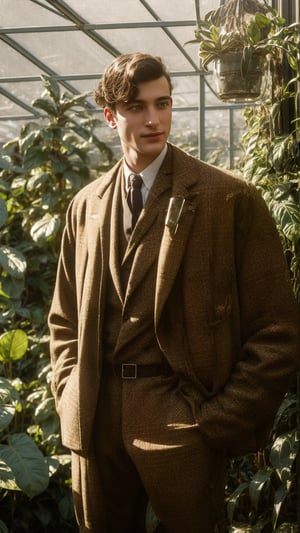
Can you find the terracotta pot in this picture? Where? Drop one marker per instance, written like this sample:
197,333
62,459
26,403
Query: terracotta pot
232,85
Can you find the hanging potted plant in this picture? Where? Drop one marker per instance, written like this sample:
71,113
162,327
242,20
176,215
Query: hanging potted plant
237,38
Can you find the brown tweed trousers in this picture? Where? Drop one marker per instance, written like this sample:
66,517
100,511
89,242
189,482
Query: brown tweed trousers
224,318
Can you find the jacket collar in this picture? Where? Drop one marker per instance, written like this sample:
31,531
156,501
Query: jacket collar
174,164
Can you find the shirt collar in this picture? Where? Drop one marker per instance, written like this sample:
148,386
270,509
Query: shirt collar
149,173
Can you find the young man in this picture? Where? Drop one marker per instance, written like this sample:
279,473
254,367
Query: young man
172,341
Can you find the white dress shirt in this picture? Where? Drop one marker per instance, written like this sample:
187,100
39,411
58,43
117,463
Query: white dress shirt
148,175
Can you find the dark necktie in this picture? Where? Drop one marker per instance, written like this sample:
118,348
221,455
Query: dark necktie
134,197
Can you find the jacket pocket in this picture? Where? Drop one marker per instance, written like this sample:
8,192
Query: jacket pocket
68,410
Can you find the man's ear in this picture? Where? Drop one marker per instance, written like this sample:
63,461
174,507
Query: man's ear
110,118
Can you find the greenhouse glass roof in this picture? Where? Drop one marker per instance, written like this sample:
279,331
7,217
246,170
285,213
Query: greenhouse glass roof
74,41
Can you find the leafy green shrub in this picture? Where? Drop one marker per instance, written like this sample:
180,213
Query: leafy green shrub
40,172
262,488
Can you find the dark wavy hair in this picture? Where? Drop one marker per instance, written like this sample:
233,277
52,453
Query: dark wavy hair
121,78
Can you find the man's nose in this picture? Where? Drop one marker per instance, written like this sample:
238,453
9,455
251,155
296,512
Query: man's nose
152,117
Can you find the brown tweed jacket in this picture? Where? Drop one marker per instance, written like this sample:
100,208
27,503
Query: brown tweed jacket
225,317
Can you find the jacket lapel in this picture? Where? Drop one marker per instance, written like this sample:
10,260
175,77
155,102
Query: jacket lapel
185,189
115,225
170,255
102,231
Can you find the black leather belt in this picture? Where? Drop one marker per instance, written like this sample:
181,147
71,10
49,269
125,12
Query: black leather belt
134,371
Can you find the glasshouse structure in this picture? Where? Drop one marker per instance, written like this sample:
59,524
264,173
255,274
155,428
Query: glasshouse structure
235,72
73,43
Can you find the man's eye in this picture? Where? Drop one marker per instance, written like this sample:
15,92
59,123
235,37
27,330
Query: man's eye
135,107
163,105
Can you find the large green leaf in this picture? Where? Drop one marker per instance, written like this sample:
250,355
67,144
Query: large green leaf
12,261
279,499
258,485
283,455
46,416
27,463
234,499
7,478
13,345
8,400
13,287
45,228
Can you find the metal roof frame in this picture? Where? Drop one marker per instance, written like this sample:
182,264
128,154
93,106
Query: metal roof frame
68,20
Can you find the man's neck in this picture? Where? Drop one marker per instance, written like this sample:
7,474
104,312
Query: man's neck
138,162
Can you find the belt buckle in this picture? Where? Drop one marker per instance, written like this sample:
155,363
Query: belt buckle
129,371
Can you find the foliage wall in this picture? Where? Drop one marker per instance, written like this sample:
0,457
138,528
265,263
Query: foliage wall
266,486
41,171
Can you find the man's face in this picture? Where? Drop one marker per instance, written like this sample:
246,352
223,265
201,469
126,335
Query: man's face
143,124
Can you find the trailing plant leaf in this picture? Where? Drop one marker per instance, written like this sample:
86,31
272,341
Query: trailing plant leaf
287,216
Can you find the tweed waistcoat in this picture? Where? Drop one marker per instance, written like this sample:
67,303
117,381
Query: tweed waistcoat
126,339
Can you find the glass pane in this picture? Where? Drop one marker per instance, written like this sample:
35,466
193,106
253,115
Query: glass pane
14,64
27,13
82,59
110,11
66,52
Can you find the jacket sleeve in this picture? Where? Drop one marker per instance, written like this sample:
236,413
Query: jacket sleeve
63,316
239,417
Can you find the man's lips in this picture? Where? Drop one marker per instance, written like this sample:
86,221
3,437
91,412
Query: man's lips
153,135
